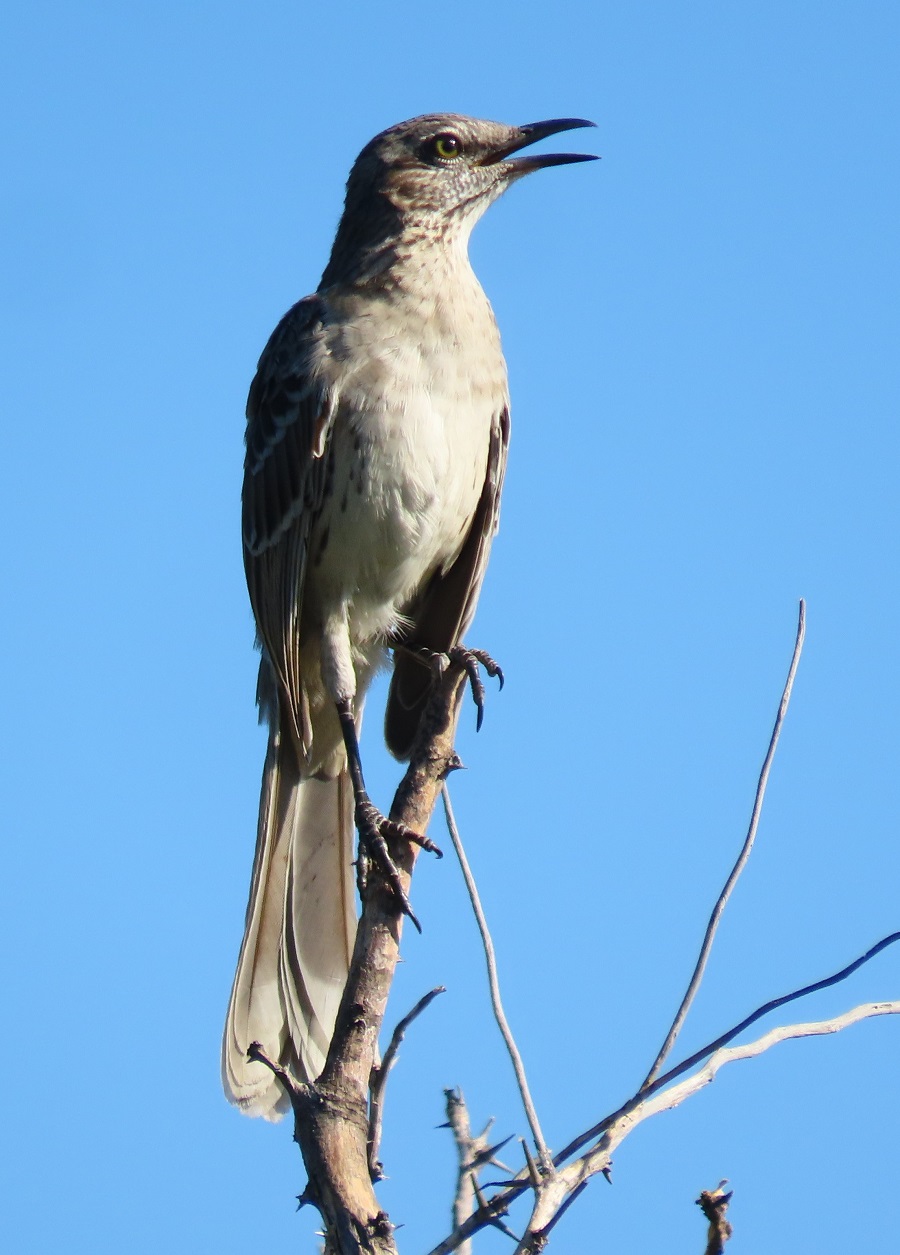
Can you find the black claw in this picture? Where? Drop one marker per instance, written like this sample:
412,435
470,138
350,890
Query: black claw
470,660
374,831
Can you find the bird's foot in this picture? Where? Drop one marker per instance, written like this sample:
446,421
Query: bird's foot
471,660
375,830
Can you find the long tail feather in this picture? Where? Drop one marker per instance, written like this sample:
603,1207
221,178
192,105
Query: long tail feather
298,935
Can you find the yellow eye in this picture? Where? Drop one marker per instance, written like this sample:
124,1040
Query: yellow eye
446,146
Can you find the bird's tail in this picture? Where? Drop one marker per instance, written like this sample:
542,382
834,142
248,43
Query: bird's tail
299,931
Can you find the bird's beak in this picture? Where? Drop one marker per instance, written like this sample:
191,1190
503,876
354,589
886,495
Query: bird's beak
530,133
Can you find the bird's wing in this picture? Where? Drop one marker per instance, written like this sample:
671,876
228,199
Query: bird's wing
289,417
443,611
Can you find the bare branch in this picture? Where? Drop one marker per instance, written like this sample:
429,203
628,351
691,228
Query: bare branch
612,1131
705,1051
379,1075
599,1156
774,1004
494,983
667,1099
331,1121
714,1204
741,863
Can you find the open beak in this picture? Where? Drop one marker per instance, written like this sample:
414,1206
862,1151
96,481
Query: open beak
529,134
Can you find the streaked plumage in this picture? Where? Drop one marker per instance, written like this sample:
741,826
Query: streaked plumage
377,432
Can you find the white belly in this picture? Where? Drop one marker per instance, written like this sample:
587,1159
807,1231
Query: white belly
409,446
405,487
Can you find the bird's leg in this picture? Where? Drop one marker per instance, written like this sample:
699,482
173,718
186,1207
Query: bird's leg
470,660
375,829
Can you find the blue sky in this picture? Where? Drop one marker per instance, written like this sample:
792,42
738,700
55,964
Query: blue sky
702,332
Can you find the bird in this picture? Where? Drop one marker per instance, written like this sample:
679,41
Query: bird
375,450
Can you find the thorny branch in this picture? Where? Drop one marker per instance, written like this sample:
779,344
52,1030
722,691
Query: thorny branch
473,1153
615,1128
331,1123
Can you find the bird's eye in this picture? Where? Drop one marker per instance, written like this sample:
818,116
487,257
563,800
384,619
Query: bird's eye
446,147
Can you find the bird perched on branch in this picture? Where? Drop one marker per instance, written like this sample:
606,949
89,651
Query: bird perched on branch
377,431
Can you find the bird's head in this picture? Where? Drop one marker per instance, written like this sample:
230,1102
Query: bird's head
437,174
449,165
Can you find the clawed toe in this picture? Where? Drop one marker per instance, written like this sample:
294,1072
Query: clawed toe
470,660
375,830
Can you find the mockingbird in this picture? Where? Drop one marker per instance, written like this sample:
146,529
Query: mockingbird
377,430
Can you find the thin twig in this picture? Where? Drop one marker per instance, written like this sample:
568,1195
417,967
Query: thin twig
614,1128
493,982
774,1004
739,866
379,1075
256,1054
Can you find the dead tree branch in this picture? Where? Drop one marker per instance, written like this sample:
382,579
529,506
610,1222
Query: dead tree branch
474,1153
331,1123
714,1204
615,1128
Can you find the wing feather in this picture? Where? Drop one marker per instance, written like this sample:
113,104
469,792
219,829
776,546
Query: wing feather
289,415
441,614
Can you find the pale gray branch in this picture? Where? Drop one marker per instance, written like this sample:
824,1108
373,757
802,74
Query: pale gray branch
674,1095
599,1157
474,1153
615,1128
